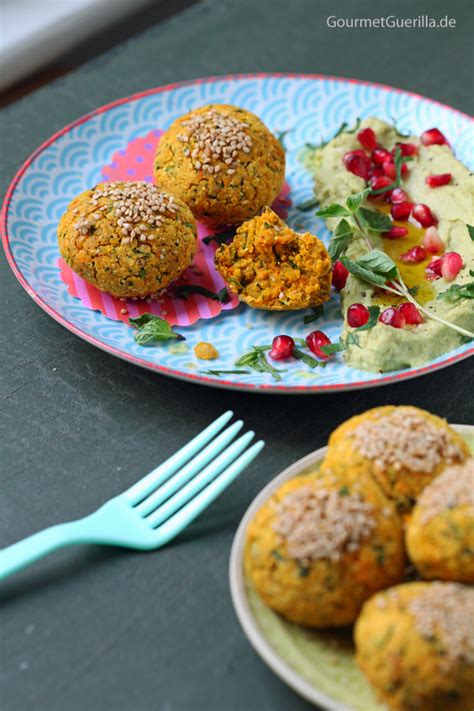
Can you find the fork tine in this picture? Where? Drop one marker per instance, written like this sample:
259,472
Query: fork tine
149,482
188,513
193,467
198,482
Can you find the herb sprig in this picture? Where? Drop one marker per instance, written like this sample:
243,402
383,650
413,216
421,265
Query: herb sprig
375,267
220,237
151,328
458,291
343,128
317,312
184,290
257,360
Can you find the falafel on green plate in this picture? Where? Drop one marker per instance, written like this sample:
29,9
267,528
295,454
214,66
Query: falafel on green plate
403,448
222,161
321,546
415,644
440,532
129,239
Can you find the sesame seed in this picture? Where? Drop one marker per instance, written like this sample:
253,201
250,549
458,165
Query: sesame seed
215,138
444,612
321,524
454,487
403,439
137,207
123,311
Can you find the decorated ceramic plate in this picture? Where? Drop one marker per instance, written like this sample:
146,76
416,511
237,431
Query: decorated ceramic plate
117,142
317,664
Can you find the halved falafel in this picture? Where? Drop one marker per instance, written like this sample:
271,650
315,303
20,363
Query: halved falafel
274,268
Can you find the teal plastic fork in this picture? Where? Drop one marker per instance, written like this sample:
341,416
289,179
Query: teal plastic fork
158,507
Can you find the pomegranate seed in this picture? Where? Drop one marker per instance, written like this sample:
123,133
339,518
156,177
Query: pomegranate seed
282,347
380,155
433,270
392,317
407,149
401,210
396,232
339,275
432,242
358,163
389,169
451,265
375,171
435,181
315,340
411,313
422,214
433,136
367,138
357,315
414,255
378,182
398,195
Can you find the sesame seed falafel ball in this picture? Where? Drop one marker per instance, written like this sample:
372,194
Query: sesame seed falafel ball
272,267
402,448
414,643
320,547
440,533
129,239
222,161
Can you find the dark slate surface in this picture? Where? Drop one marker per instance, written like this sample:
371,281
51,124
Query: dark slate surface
103,629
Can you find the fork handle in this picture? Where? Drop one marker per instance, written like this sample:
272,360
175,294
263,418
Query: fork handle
24,552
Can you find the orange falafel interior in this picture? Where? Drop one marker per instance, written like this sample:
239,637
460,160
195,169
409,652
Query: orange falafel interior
273,267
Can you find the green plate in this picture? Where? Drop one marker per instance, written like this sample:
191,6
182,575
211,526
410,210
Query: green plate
318,665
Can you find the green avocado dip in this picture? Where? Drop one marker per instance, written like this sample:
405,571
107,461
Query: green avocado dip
383,348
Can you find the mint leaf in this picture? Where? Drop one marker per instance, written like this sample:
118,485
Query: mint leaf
458,291
318,311
184,290
281,135
220,237
379,263
470,229
309,360
340,239
257,360
332,348
353,202
333,211
362,273
306,205
375,221
374,313
152,328
354,128
352,340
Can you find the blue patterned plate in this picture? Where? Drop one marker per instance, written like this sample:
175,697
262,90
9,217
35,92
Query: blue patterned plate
313,107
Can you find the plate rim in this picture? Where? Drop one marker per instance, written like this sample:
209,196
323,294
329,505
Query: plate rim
239,598
267,388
